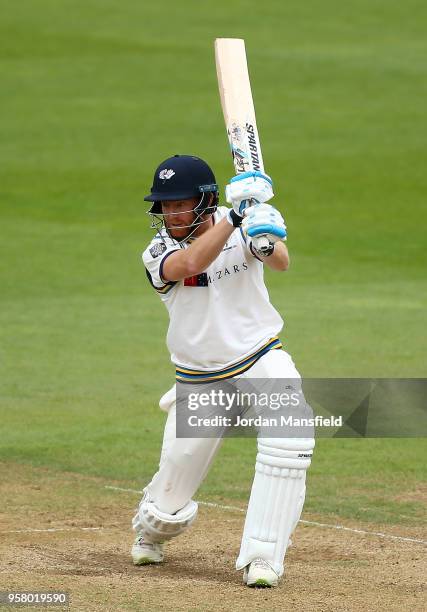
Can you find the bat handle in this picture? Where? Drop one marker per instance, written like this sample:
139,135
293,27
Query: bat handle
261,243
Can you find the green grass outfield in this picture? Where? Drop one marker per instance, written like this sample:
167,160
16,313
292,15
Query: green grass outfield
93,95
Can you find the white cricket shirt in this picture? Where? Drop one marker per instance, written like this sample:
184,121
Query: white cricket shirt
219,317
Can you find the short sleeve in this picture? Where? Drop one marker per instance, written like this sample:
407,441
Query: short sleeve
154,258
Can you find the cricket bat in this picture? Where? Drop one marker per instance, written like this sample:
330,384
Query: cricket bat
239,111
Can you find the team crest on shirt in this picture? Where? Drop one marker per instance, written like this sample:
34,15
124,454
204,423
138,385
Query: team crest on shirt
157,249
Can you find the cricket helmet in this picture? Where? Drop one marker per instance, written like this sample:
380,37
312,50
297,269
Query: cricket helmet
182,177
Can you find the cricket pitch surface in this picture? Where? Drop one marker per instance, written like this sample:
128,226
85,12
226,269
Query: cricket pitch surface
67,532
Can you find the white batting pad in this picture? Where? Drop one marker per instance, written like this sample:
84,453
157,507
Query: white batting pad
276,500
160,526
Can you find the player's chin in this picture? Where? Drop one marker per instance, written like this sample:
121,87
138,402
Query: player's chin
178,234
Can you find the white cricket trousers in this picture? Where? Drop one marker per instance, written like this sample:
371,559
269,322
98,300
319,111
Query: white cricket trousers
185,462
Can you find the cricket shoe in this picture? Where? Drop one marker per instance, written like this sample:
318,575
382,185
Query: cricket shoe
259,573
144,552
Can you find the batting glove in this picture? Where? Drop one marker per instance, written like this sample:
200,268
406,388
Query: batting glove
247,189
264,220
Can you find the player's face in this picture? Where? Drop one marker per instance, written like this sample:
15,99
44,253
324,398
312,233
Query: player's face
178,216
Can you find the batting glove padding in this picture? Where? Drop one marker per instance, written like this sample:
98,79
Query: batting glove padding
248,188
264,219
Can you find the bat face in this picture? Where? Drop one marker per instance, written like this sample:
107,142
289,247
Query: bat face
237,104
239,112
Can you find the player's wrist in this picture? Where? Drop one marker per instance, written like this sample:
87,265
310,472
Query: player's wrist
233,218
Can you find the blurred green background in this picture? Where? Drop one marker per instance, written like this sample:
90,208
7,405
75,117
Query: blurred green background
93,96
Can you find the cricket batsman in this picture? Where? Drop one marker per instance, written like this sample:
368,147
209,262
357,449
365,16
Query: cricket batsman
204,265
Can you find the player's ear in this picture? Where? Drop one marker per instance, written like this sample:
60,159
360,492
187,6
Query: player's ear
209,202
213,202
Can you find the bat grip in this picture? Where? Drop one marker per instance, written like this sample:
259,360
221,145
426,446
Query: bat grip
261,243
